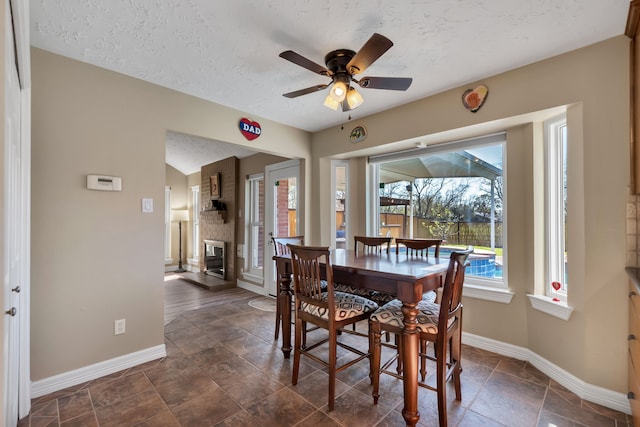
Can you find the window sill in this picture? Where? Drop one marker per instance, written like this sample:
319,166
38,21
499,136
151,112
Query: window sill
547,305
503,296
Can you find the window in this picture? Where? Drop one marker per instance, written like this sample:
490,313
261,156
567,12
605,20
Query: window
556,208
256,223
195,220
452,191
340,179
167,225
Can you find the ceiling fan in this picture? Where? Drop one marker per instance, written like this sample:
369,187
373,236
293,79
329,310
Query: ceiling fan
341,66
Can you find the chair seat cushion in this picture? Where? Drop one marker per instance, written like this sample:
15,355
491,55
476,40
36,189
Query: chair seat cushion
379,298
347,306
391,314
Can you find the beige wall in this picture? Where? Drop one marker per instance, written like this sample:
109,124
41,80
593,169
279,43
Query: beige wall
594,83
96,257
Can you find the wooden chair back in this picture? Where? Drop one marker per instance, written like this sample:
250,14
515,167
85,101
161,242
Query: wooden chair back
373,245
451,302
418,247
308,263
280,243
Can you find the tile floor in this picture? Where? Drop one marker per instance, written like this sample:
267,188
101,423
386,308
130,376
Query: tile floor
223,368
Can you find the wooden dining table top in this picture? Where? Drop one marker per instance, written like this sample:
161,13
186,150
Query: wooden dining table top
381,272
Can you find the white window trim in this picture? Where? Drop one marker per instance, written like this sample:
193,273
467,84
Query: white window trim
542,301
547,305
554,207
487,293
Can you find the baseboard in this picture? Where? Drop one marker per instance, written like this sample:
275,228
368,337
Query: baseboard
590,392
97,370
251,287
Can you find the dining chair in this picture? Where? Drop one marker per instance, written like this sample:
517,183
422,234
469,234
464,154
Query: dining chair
372,245
439,324
280,248
330,310
419,247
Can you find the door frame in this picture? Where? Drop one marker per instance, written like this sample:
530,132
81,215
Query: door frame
19,11
280,170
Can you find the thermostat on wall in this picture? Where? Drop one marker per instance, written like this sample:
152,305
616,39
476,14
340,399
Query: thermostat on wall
104,183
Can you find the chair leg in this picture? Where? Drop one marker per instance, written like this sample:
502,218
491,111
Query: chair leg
278,319
375,349
398,342
304,334
423,359
333,355
441,374
456,356
296,352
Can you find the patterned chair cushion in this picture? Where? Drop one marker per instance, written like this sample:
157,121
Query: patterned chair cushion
379,298
391,313
352,290
347,306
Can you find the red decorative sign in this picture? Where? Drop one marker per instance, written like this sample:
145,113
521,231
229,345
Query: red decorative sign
251,130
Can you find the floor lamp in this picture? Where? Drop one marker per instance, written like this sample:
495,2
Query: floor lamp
180,215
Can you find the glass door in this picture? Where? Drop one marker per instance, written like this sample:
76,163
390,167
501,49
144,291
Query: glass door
281,211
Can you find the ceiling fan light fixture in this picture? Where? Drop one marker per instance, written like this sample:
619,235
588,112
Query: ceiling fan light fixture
354,99
330,102
338,91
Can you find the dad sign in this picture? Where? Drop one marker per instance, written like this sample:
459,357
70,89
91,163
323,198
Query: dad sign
250,130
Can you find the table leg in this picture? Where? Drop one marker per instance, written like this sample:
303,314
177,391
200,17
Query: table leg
410,341
284,299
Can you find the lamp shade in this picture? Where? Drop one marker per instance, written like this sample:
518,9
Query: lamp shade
354,99
179,215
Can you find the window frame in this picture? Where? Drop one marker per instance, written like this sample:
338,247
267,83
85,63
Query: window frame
195,221
167,225
555,154
253,221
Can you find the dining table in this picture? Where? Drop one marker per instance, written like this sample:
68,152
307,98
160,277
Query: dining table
405,276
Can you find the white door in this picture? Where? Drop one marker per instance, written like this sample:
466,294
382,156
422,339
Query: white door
16,225
281,211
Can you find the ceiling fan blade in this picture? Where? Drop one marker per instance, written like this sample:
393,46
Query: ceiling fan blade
372,50
390,83
305,91
300,60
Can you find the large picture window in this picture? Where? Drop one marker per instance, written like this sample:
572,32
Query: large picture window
454,192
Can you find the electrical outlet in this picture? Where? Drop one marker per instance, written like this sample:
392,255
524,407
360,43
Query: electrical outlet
120,327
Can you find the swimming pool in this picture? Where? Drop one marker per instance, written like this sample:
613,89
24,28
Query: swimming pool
481,263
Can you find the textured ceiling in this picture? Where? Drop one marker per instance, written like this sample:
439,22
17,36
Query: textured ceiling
227,51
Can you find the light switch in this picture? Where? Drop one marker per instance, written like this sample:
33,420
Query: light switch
147,205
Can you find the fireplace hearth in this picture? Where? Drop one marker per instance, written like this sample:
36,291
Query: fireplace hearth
214,258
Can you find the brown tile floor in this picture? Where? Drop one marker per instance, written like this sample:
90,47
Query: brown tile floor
224,369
